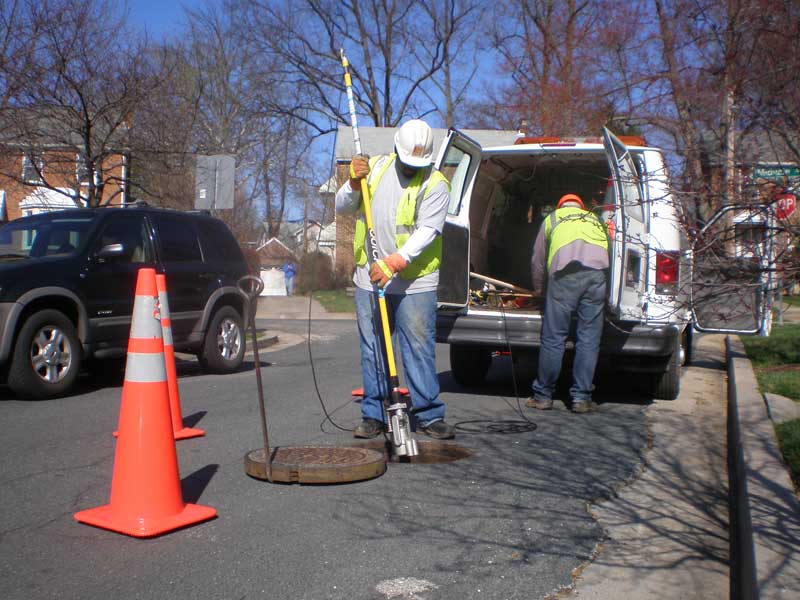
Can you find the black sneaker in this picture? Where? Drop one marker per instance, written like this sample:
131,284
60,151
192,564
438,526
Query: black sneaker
438,430
540,403
368,429
583,406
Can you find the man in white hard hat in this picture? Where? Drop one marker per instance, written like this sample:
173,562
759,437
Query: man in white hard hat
409,200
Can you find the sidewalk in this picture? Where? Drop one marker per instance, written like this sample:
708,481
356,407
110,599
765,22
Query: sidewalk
667,531
713,513
294,307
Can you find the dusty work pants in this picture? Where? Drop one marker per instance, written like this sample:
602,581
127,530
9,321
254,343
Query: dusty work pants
413,316
582,291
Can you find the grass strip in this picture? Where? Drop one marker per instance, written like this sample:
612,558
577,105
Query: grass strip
789,440
335,301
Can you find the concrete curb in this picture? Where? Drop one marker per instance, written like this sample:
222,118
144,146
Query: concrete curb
764,510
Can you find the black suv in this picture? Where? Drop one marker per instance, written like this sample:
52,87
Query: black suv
67,283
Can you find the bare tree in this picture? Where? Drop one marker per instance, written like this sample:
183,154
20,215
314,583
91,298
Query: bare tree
451,32
73,98
394,76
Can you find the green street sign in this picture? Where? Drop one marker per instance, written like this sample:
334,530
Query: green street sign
777,173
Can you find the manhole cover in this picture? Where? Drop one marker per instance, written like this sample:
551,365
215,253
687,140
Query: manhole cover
317,464
429,452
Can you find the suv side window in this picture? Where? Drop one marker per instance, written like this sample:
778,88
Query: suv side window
177,239
131,232
218,243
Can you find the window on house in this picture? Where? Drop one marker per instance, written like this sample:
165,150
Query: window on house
81,171
32,168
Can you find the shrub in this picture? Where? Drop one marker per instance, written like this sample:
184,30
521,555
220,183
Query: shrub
315,272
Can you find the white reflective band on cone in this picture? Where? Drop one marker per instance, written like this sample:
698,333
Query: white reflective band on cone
162,298
145,368
146,318
165,331
167,335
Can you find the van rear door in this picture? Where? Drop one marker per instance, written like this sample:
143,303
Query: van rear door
628,246
459,159
732,271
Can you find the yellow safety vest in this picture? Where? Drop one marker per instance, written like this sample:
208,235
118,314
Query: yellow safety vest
405,219
568,224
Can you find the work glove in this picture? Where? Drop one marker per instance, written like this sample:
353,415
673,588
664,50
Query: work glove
383,269
359,168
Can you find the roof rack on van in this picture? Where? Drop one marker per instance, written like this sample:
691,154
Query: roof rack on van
628,140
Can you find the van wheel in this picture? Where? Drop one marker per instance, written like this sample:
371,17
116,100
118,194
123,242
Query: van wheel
667,384
223,347
46,358
469,364
687,344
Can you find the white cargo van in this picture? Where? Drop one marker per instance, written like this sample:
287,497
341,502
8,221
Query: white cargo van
499,198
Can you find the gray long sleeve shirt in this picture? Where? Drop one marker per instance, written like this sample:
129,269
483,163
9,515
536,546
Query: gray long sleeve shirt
431,213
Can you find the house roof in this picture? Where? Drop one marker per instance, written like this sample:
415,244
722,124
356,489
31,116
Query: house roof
380,140
55,127
275,250
752,147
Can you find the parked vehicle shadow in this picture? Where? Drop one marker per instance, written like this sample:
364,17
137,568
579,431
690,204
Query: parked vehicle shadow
500,380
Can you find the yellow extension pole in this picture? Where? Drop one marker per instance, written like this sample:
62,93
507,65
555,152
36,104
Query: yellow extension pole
399,426
372,242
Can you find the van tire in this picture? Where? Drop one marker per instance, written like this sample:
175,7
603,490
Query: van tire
667,384
39,371
469,364
687,344
224,344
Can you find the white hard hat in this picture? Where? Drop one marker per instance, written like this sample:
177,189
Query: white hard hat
414,143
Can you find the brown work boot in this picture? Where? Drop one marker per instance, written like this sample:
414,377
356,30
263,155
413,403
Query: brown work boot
540,403
368,429
583,406
438,430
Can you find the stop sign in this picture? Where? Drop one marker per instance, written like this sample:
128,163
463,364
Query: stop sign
785,205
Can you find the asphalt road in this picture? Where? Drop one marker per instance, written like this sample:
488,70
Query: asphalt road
510,521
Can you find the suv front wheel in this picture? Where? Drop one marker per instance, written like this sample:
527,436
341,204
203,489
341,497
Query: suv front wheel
46,358
223,348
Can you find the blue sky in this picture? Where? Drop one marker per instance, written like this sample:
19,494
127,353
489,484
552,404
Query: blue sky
161,17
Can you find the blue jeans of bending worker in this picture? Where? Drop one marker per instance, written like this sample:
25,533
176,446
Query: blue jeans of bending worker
582,291
413,316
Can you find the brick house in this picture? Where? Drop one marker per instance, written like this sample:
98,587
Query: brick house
380,140
765,169
41,169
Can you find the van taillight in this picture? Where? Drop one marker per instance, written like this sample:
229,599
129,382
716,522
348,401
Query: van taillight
667,271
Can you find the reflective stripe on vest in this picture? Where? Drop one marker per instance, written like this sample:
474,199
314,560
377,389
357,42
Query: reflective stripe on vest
405,218
568,224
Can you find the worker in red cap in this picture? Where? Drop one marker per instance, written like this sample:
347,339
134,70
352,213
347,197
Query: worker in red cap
570,260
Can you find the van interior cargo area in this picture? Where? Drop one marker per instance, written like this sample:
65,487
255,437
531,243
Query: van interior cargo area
512,196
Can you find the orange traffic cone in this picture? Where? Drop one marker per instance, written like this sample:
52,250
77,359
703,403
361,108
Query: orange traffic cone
146,495
181,432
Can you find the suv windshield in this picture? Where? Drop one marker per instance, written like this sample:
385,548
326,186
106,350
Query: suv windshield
46,236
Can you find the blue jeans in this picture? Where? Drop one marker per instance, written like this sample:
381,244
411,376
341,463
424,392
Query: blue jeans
583,291
413,316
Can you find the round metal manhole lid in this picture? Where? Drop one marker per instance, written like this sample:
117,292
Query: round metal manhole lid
316,464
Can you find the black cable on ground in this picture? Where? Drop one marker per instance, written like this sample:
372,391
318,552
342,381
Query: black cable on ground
501,426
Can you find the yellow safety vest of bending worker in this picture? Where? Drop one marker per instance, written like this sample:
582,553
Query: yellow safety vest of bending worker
406,217
569,225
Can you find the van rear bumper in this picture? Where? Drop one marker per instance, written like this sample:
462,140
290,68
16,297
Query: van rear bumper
624,339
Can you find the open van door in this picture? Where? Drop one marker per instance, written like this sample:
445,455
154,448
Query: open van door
459,159
629,245
732,266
